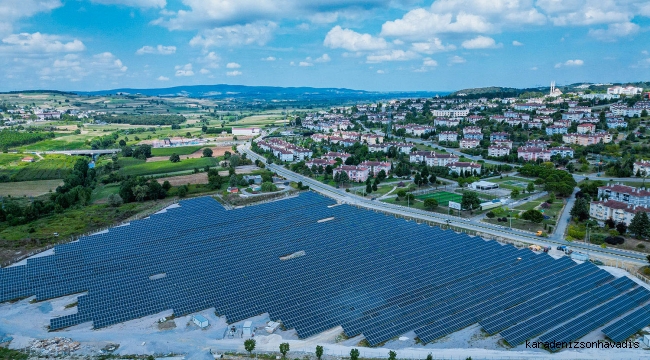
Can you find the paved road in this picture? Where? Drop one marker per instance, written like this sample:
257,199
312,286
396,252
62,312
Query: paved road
442,219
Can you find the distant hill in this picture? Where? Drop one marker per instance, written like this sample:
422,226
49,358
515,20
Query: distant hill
495,91
261,92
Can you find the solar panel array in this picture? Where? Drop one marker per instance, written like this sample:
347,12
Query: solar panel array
373,274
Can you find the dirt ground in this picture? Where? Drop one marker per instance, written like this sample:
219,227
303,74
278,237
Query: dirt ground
216,151
200,178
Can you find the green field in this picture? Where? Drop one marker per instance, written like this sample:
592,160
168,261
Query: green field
135,167
443,197
181,150
6,159
51,167
29,188
56,145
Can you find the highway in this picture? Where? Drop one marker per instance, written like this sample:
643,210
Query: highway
445,220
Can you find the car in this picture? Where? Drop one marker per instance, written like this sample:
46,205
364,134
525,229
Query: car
526,198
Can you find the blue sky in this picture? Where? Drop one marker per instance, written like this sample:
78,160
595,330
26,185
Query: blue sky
381,45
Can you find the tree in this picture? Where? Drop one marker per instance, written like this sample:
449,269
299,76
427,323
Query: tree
410,197
115,200
233,181
514,193
429,357
284,349
392,355
621,228
610,223
533,215
580,209
207,152
249,345
401,193
166,185
430,204
470,201
640,225
182,190
140,192
354,354
530,187
174,158
319,351
368,188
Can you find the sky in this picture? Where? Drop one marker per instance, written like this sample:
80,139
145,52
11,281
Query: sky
382,45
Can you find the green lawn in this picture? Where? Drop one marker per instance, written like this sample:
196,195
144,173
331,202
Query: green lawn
6,159
135,167
29,188
102,192
443,197
181,150
553,212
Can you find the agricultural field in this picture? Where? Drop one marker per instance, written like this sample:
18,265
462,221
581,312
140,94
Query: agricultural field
181,150
8,159
48,168
135,167
28,188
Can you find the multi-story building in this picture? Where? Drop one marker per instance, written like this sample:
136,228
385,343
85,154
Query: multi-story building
625,194
448,136
461,168
372,138
642,168
562,151
628,90
498,151
529,153
415,129
615,210
556,129
432,158
469,143
319,162
587,139
333,155
506,143
451,112
538,143
472,132
355,173
616,123
499,136
377,166
446,122
404,148
586,128
283,150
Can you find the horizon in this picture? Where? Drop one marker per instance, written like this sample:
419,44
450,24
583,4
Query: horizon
375,45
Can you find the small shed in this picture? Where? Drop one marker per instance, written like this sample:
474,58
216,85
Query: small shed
200,321
248,328
28,159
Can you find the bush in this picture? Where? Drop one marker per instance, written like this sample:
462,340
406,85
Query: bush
640,246
490,215
576,232
115,200
430,204
646,270
614,240
597,239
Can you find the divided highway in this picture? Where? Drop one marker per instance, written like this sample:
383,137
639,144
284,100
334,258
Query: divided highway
442,219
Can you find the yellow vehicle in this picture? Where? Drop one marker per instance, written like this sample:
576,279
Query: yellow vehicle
535,248
539,233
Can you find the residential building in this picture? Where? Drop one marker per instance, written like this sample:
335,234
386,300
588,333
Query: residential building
246,131
432,158
616,123
497,151
499,136
334,155
372,138
404,148
469,143
319,162
472,132
355,173
464,168
446,122
377,166
451,113
642,168
626,194
506,143
415,129
615,210
529,153
448,136
562,151
587,139
556,129
538,143
628,90
586,128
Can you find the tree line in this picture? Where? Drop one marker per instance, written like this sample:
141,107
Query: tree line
141,119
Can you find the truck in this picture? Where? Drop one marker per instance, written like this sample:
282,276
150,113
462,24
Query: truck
539,233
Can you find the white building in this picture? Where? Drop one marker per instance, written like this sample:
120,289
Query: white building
642,167
562,151
245,131
497,151
628,90
625,194
469,143
464,168
448,136
615,210
432,158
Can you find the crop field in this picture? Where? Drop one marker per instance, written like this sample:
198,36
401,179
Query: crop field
443,197
51,167
58,144
181,150
7,159
28,188
135,167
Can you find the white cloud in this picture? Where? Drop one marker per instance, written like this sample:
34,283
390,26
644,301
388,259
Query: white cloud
381,72
393,55
108,61
423,24
615,31
481,42
160,49
432,46
233,65
323,59
517,43
305,64
429,62
74,67
576,62
351,40
270,58
162,78
39,43
14,10
233,73
134,3
456,60
644,52
204,71
211,60
236,35
534,68
184,70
